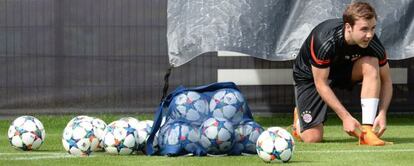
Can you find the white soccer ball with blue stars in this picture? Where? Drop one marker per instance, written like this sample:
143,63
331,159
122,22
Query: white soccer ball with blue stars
217,136
144,128
26,133
246,135
120,138
80,118
179,135
79,138
99,130
98,126
131,120
228,104
275,144
189,106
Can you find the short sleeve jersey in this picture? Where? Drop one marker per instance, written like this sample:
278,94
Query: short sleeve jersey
326,47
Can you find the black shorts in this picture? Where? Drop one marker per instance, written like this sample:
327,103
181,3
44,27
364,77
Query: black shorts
312,109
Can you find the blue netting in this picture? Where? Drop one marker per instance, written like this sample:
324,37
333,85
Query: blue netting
213,119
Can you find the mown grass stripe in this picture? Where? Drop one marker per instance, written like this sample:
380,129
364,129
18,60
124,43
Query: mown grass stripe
34,153
43,157
355,151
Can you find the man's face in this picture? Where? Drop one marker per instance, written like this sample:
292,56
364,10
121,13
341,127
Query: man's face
362,32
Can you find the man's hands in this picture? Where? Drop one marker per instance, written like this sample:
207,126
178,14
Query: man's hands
380,124
351,126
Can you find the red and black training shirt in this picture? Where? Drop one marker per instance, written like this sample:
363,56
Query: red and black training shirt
326,47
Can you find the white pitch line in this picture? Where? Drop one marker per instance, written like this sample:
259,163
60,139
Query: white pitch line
355,151
55,155
34,153
43,157
35,156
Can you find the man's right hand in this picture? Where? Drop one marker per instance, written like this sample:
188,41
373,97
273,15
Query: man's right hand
351,126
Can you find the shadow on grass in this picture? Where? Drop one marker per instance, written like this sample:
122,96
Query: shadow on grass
395,140
339,140
46,150
299,162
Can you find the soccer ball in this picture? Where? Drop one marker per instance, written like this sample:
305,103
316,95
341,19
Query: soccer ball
98,126
79,118
98,130
246,135
120,138
190,106
132,121
26,133
144,130
79,138
217,136
179,135
228,104
275,144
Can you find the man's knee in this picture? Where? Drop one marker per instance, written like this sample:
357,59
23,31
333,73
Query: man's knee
311,139
368,59
313,135
366,68
369,63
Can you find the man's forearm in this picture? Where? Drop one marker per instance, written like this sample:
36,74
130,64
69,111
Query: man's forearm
331,100
385,96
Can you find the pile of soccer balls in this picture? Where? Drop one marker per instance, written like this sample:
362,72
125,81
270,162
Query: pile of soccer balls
219,126
216,125
218,134
84,134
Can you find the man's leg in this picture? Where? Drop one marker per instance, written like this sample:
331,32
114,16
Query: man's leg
367,69
309,114
296,124
312,135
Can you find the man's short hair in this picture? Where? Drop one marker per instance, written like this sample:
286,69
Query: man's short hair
357,10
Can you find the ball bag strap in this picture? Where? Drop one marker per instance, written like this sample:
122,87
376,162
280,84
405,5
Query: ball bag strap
158,119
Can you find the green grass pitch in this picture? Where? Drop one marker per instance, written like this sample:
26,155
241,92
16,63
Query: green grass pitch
337,148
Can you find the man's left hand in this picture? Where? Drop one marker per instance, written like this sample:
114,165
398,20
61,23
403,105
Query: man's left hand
380,124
